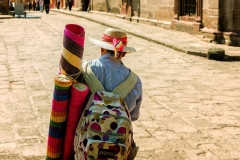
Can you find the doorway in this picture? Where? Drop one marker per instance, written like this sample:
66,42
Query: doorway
85,4
127,7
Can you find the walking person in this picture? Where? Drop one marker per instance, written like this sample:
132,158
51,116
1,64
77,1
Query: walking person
66,4
29,5
110,72
11,6
41,5
38,6
70,2
34,5
46,5
58,4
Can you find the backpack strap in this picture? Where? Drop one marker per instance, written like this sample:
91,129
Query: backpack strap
91,80
95,85
126,86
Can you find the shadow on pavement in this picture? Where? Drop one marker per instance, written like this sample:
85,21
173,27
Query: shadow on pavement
27,16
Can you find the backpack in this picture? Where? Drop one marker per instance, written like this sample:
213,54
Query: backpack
104,130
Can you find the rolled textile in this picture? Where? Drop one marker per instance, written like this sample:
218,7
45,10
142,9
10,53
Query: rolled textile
79,92
72,50
60,102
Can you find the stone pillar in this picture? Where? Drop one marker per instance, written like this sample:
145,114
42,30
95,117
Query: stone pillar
199,11
211,13
213,20
129,8
231,22
176,9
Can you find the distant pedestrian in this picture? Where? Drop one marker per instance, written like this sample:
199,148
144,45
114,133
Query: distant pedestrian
66,4
58,4
70,3
46,5
29,5
34,5
41,5
37,6
11,6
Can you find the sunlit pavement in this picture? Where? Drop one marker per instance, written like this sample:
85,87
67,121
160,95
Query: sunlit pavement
190,109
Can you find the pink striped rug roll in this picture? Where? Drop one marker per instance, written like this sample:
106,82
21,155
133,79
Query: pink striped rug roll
72,50
79,93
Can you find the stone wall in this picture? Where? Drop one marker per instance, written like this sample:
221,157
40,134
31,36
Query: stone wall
211,14
136,8
231,16
77,4
217,20
157,9
113,6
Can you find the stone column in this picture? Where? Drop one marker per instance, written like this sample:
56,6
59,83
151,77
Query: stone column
199,11
213,20
129,8
231,22
176,9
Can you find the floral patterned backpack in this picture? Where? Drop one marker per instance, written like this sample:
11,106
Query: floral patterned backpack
104,131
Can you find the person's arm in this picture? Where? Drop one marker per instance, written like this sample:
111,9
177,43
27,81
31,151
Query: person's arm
134,100
136,111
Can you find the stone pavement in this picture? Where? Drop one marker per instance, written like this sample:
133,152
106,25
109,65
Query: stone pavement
183,42
5,16
190,108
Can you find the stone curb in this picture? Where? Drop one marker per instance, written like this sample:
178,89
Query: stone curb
5,16
180,49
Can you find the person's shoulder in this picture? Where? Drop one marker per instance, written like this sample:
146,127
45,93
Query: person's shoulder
136,75
94,61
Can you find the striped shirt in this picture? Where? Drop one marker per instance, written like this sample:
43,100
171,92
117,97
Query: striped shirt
112,73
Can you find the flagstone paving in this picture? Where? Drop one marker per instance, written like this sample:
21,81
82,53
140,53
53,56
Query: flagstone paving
190,108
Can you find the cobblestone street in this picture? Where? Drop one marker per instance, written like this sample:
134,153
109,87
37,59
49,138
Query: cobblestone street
190,109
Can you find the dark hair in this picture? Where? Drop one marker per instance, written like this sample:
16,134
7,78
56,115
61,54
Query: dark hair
111,52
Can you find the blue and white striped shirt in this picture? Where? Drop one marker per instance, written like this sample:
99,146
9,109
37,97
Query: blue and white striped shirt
112,73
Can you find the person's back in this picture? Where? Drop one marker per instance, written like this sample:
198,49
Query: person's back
109,68
111,73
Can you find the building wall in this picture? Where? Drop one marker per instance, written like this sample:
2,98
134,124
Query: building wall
211,13
231,20
157,9
217,20
221,15
136,8
4,7
107,5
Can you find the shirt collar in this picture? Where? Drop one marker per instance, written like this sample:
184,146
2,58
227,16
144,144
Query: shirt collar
105,56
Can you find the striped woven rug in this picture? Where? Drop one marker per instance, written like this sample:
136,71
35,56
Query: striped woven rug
79,92
72,50
60,102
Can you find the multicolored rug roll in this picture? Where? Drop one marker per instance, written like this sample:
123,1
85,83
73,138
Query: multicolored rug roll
72,50
60,102
79,93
